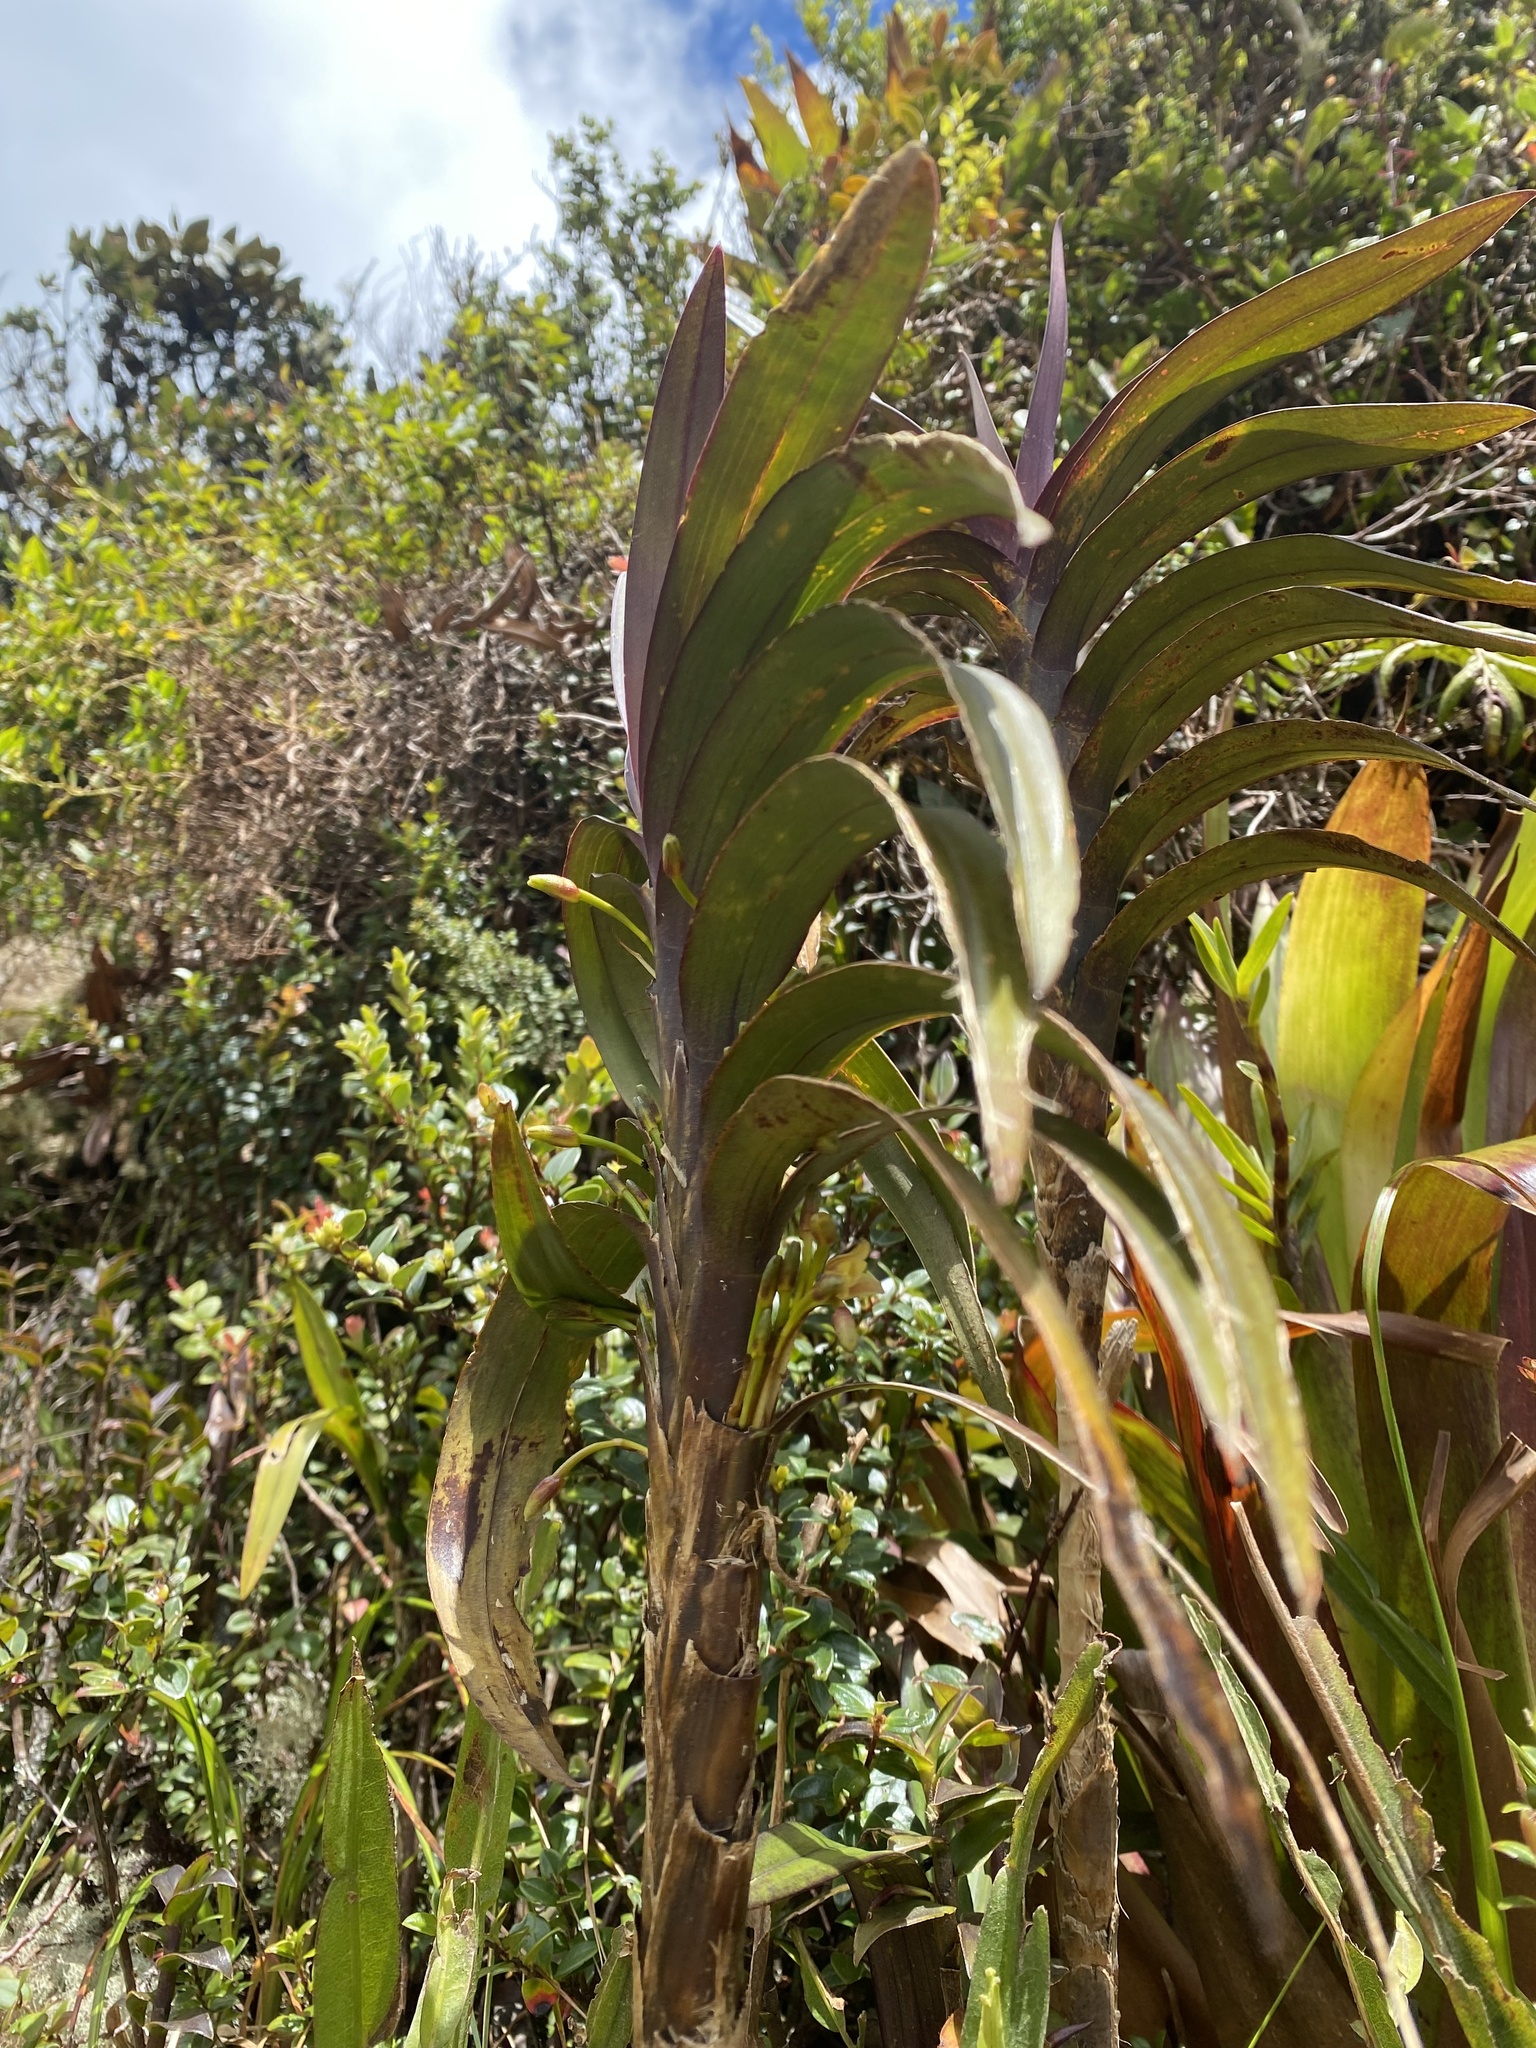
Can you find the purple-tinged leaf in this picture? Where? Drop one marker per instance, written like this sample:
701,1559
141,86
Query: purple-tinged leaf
1512,1054
1164,401
687,400
1037,451
997,533
797,393
616,646
818,116
620,690
986,430
1517,1391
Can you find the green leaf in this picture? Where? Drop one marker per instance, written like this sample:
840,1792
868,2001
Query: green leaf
484,1779
1351,965
504,1434
1437,1259
1120,1184
1227,1324
744,1189
474,1849
1071,1712
1371,1998
1019,2020
1162,1478
1011,1969
816,1025
1219,767
1379,1129
801,387
1230,469
953,575
1149,415
1176,603
1138,1205
1262,945
821,533
874,1071
968,870
1129,1550
784,152
1015,750
945,1257
935,1228
824,2008
446,2004
541,1263
1214,954
277,1481
889,1918
818,116
1167,901
325,1364
612,981
1153,701
769,880
801,696
687,400
1511,1046
1395,1828
357,1938
610,2016
795,1858
110,1947
1239,1155
1319,1880
332,1385
1351,1584
1273,1785
1519,909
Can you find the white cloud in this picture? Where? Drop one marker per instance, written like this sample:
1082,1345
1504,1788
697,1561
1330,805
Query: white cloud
339,128
648,68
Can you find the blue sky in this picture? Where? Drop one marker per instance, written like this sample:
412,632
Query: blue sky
342,128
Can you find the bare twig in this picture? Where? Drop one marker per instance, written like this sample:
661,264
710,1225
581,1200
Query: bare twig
339,1522
114,1898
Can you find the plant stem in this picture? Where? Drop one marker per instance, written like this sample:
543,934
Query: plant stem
1086,1793
1485,1873
1070,1228
1279,1999
114,1899
704,1562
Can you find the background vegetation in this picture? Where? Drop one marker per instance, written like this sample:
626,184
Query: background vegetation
302,672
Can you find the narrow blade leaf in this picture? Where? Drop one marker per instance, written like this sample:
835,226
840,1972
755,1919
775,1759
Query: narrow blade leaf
277,1481
1015,749
1037,451
687,400
770,879
800,388
612,981
357,1939
1176,603
1239,346
1152,702
801,696
1231,469
816,1026
503,1436
823,531
1100,982
795,1858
